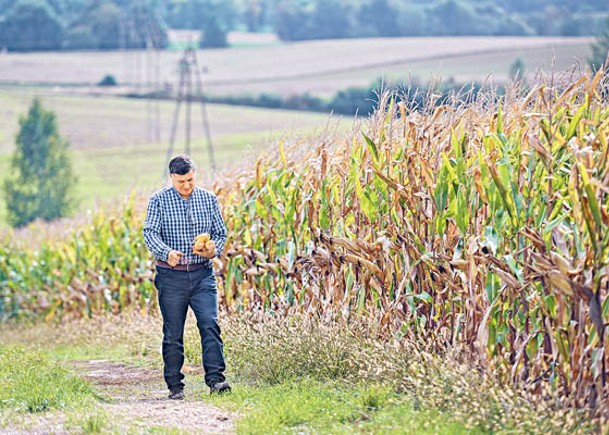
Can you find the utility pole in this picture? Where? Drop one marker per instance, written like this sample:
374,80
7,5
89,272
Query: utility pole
190,76
141,30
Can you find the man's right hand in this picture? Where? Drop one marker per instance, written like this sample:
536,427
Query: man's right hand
174,258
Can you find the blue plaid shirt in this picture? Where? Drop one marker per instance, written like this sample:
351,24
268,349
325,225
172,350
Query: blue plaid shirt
173,222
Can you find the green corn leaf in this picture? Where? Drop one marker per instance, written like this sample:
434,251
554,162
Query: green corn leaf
441,190
367,203
261,209
499,119
462,211
448,166
372,147
590,194
574,122
324,214
503,193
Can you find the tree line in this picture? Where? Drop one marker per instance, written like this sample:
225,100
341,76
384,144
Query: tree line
110,24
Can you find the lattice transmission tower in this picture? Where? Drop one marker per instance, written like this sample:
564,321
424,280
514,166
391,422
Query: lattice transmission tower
190,89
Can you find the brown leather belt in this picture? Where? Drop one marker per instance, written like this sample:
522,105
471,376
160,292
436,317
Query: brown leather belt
183,267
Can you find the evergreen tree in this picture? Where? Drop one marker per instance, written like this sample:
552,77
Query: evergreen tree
41,178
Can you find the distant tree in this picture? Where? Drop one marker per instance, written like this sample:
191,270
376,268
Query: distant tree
380,16
362,101
31,25
68,9
108,80
573,27
104,22
332,19
523,6
600,49
40,180
511,25
63,8
79,37
98,27
293,21
6,4
411,19
193,14
212,34
145,25
253,15
517,69
548,21
453,18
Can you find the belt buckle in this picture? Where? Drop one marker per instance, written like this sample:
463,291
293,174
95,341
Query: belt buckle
188,267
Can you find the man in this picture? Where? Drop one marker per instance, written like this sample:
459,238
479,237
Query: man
184,275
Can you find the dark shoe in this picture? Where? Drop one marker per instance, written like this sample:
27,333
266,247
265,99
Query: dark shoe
176,393
219,388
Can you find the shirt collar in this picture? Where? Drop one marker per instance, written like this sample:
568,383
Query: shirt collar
175,191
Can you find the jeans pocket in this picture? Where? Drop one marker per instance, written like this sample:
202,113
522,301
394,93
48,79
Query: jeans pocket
211,284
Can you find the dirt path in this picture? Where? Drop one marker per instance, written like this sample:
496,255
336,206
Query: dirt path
139,396
135,402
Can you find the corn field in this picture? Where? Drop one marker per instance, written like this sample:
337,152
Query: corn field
481,224
102,266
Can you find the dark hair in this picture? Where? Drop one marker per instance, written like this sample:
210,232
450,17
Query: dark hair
181,165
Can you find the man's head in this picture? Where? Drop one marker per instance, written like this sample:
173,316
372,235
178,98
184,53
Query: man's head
182,174
181,165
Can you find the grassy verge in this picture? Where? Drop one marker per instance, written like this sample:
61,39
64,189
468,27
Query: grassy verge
331,407
41,393
38,394
300,375
319,368
132,339
32,382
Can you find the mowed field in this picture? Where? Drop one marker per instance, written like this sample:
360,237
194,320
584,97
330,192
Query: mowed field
319,67
114,146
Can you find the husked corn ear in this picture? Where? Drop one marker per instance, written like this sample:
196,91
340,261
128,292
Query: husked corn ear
204,241
203,237
200,241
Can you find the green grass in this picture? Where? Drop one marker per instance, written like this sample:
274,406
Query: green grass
118,352
121,339
90,422
34,383
309,406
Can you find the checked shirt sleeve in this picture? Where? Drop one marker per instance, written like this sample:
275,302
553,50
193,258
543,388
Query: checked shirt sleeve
218,228
152,231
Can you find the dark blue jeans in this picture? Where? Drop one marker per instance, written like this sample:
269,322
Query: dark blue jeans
177,291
